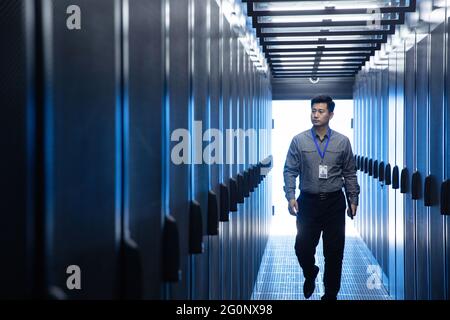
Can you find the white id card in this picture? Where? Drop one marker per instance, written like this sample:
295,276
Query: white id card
323,172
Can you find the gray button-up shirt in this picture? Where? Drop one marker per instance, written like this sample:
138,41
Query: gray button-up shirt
303,160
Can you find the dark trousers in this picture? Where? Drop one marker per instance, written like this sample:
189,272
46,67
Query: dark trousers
318,215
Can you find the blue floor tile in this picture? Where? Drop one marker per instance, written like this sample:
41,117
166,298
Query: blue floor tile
281,278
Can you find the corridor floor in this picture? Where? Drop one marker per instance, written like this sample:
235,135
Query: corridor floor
281,278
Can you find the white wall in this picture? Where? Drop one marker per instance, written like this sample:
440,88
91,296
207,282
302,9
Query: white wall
291,118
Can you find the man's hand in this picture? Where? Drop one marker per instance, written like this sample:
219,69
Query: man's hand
293,207
351,212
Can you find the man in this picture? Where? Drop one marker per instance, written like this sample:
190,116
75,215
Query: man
323,160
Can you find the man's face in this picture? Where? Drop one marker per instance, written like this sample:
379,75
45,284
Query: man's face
320,115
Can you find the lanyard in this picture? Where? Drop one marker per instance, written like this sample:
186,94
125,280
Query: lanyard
322,155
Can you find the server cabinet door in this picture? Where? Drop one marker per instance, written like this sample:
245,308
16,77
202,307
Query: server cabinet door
234,167
17,135
384,204
215,167
200,53
399,154
391,159
378,156
410,216
447,167
422,215
227,171
83,145
436,169
178,90
241,167
145,70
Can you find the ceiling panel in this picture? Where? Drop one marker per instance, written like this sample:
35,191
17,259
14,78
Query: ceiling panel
323,38
328,18
330,5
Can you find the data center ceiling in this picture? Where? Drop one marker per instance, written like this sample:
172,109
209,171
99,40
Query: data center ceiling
323,39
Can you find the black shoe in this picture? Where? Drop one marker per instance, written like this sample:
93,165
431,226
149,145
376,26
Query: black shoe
310,284
328,297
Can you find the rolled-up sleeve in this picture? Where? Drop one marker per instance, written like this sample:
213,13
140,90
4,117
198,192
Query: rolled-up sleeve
349,174
291,170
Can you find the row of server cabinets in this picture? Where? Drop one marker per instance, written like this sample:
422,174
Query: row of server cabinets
101,100
402,153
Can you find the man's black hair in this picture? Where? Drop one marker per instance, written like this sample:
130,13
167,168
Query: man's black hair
324,99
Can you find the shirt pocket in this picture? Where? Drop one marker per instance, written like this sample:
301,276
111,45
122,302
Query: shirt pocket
309,167
333,157
310,159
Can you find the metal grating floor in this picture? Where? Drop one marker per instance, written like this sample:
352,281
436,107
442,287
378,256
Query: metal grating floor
281,278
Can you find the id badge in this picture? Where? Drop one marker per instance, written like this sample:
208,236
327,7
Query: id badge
323,172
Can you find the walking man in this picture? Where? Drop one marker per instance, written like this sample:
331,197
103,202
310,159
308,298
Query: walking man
323,160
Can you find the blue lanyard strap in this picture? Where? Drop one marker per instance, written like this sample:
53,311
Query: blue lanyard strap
322,155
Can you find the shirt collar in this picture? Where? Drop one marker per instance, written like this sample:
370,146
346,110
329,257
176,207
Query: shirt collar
325,136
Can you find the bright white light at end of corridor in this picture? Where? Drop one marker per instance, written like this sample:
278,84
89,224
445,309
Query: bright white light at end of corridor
291,118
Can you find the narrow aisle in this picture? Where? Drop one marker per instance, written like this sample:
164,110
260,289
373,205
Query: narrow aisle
281,278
